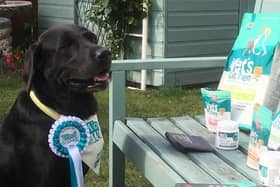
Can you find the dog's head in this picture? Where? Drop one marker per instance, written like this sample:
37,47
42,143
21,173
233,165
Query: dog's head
68,58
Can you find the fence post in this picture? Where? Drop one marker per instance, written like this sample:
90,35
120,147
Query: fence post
117,112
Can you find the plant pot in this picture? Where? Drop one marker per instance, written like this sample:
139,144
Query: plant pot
5,36
9,8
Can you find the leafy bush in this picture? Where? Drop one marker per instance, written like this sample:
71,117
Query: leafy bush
114,19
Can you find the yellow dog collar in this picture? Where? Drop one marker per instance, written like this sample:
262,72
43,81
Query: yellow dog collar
50,112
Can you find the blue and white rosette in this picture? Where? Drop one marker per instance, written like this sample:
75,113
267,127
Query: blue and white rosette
68,138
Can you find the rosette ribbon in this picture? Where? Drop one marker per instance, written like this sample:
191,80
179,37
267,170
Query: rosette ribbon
68,138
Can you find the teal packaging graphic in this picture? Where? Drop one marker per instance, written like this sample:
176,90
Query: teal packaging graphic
263,170
216,104
259,135
247,74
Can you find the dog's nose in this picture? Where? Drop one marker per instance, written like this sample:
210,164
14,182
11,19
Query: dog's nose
103,54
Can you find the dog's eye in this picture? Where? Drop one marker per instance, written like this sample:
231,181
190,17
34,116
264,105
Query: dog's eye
90,36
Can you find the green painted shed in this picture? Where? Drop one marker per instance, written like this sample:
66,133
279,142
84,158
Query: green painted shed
183,28
55,12
177,28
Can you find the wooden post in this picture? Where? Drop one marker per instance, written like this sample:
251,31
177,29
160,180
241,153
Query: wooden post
144,48
258,6
117,112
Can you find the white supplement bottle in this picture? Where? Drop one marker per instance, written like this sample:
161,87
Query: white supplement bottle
227,135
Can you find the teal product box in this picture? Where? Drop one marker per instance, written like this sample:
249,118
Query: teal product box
216,105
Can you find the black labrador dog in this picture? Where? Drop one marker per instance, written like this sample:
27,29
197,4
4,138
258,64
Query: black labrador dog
64,68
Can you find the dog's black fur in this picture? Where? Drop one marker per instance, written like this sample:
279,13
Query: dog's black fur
64,67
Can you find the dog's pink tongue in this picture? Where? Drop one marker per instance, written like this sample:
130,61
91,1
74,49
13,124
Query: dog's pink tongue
103,77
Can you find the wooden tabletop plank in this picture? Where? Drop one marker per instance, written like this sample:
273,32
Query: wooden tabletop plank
144,158
243,137
236,158
210,162
178,161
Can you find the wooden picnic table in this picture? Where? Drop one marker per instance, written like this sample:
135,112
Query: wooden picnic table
144,142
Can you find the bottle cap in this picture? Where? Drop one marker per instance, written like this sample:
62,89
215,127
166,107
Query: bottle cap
270,158
227,126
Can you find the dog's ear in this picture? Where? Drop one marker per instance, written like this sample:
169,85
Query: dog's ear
87,34
31,58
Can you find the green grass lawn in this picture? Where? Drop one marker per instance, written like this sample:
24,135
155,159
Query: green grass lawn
161,102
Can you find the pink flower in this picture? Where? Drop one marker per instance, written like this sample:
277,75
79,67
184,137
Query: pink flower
14,62
17,56
9,59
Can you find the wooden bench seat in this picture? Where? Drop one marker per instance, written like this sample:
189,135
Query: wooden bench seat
158,159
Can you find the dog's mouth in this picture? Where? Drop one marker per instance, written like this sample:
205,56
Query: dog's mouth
96,83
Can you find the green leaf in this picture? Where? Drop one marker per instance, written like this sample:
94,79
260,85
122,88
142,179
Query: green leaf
107,11
130,20
105,3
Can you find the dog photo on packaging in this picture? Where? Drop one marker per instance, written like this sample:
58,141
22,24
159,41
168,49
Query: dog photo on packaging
62,71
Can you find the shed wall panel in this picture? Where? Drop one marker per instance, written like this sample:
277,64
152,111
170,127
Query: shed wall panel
46,22
57,2
189,77
201,48
55,12
201,27
187,19
157,5
202,5
201,33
